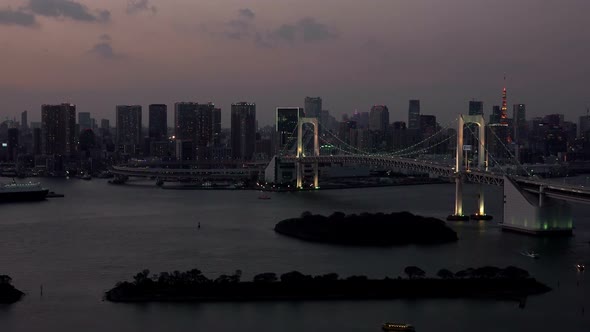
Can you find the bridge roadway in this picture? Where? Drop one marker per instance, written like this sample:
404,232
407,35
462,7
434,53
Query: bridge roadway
573,193
182,173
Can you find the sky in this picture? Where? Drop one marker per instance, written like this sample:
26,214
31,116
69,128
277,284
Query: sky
352,53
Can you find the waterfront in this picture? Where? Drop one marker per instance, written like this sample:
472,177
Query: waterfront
79,246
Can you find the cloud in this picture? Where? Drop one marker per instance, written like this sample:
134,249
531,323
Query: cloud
247,13
68,9
138,6
104,49
305,30
17,17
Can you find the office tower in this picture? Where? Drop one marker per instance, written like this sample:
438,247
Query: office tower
204,131
217,126
287,121
158,122
313,107
84,121
59,135
129,136
519,116
243,130
496,114
584,126
13,134
37,141
105,124
504,109
185,120
475,107
414,114
24,124
379,118
427,125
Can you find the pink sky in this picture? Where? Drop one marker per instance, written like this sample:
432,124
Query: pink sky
351,53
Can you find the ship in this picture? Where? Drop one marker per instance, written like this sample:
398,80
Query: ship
14,192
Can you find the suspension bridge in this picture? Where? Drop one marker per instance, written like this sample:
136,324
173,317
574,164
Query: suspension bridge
531,204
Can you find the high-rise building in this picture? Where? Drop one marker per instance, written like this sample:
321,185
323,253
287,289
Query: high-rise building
217,126
243,130
475,107
59,135
496,114
84,121
584,126
287,121
379,118
13,134
37,141
129,136
504,109
427,125
204,131
313,107
24,124
185,120
414,114
520,126
158,122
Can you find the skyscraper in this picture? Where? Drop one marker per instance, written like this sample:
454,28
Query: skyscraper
475,107
129,137
379,118
414,114
204,131
217,126
519,116
427,125
24,124
584,126
496,114
243,130
313,107
287,120
58,123
185,120
504,109
84,121
158,122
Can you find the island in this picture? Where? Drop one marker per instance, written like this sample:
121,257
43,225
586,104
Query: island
489,282
367,229
8,294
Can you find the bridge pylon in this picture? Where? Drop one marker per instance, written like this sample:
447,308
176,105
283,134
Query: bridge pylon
460,168
301,152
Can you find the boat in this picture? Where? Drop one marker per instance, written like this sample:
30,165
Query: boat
263,196
14,192
530,253
580,267
397,327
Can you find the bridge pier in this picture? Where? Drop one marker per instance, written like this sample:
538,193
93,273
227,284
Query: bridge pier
458,215
481,211
535,213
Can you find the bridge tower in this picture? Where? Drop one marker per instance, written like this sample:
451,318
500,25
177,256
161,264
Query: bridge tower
301,152
460,169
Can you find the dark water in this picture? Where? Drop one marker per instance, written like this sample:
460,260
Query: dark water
79,246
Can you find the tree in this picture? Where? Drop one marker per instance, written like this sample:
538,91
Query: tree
445,274
306,214
141,277
513,272
266,277
5,280
414,272
235,278
294,276
327,277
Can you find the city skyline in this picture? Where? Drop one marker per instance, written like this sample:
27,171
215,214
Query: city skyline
137,53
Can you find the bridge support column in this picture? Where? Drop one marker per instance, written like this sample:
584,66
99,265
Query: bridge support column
481,211
299,170
535,213
316,176
458,215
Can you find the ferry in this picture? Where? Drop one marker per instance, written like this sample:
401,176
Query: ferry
398,327
13,192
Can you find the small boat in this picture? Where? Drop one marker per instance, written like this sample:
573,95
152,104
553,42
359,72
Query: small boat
397,327
530,253
580,267
263,196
